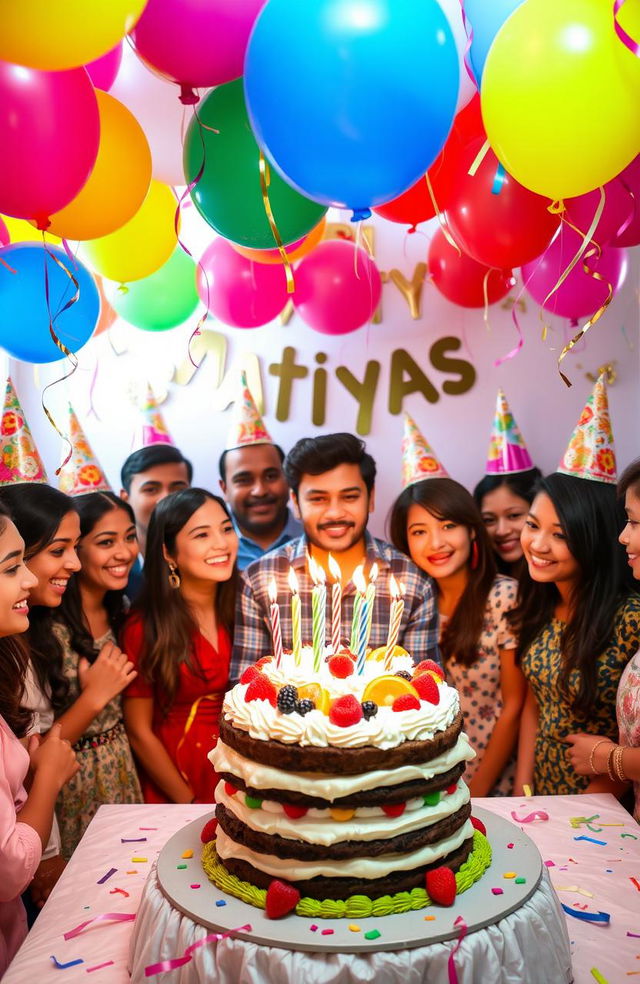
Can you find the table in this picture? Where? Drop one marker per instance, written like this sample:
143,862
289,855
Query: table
577,867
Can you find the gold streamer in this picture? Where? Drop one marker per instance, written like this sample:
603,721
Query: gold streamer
187,728
480,156
439,215
595,251
264,186
485,294
587,238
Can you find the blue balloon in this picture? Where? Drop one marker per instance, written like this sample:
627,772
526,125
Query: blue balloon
351,101
485,18
24,318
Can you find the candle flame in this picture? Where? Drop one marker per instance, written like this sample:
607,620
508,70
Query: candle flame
293,581
316,572
394,588
272,591
334,569
373,573
358,579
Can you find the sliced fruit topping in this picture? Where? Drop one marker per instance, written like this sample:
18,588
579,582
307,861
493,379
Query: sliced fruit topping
320,697
261,689
345,711
381,652
340,666
264,661
394,809
441,886
287,698
429,666
281,899
427,688
369,709
249,674
208,832
406,702
294,812
384,689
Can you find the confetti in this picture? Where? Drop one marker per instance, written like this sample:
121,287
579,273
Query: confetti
526,790
635,882
530,817
591,840
510,846
132,840
550,864
497,891
63,966
373,934
220,903
147,828
313,928
521,881
595,973
138,860
181,867
629,835
597,917
326,932
187,854
114,891
429,918
573,888
109,963
354,928
509,874
195,886
104,878
134,872
112,916
635,935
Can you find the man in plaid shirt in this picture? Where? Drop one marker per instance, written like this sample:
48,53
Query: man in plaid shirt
332,483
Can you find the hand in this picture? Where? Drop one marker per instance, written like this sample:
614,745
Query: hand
580,749
108,676
55,757
47,874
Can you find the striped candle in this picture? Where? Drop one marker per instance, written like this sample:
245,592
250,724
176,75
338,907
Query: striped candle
296,625
274,615
357,578
361,629
318,613
336,603
370,599
395,618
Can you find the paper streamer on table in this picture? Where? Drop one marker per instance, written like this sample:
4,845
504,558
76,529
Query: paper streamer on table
451,965
112,916
530,817
159,968
594,917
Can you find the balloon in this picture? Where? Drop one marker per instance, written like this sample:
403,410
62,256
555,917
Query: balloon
351,101
119,181
228,194
580,294
142,244
237,291
295,251
452,10
54,34
616,214
49,133
21,231
493,218
630,180
560,97
103,70
338,288
195,43
462,279
484,20
23,303
163,300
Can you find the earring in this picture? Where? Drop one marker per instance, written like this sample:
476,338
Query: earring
174,577
474,556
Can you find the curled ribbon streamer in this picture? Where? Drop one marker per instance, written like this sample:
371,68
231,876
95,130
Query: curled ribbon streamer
627,40
264,187
159,968
468,30
451,966
5,264
530,817
587,238
111,916
443,225
593,917
485,294
480,156
594,317
190,719
499,179
514,317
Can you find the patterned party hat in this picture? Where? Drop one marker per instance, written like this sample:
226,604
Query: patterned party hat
418,457
248,426
591,453
20,459
82,472
153,429
507,451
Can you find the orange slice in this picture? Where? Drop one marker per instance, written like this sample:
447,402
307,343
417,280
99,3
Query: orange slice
379,653
384,690
320,697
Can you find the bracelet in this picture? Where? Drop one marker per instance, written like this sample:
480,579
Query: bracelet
602,741
610,772
617,763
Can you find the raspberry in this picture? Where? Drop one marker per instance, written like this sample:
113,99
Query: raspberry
345,711
478,825
249,674
404,674
369,709
304,706
287,698
281,899
428,664
441,886
340,666
395,809
208,832
261,689
294,812
407,702
427,688
264,661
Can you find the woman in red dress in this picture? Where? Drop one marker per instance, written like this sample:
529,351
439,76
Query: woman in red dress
178,636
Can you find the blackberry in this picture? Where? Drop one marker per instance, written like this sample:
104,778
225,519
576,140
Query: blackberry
369,709
287,698
304,706
404,674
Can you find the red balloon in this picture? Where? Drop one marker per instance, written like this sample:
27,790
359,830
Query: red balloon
338,288
492,217
462,279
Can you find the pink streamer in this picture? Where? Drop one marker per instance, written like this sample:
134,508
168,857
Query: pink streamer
113,916
451,966
108,963
468,30
164,965
627,40
530,817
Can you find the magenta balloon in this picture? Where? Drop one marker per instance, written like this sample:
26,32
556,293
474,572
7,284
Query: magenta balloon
103,70
630,179
195,43
580,294
49,134
236,290
616,214
338,288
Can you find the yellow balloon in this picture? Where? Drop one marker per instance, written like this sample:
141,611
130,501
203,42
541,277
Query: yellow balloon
21,231
140,246
54,34
560,96
119,181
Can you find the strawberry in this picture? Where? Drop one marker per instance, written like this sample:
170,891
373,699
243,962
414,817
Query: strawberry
395,810
249,674
263,662
208,832
406,702
478,824
230,789
426,665
441,886
451,789
294,812
340,666
261,689
281,899
427,688
345,711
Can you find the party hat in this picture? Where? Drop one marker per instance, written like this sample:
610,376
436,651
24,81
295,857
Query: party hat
590,453
153,429
248,426
418,457
507,451
20,459
82,472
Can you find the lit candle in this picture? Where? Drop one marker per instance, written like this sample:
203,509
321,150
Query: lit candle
357,603
274,614
318,612
370,599
361,633
395,617
336,603
296,627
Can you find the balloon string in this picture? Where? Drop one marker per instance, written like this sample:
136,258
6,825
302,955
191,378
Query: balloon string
627,40
587,238
468,30
264,187
443,225
514,317
594,251
485,294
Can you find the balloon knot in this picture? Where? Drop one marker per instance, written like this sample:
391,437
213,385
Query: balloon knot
412,229
188,97
360,213
42,222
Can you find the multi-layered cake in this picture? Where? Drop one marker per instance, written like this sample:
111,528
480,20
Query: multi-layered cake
345,786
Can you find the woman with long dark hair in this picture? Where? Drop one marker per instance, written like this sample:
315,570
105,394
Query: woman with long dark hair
504,502
438,524
179,637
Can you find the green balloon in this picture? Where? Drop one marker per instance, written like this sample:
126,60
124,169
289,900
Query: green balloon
162,300
228,193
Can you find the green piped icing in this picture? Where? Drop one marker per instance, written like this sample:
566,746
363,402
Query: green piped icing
356,906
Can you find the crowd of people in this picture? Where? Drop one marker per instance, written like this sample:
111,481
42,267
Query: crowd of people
125,618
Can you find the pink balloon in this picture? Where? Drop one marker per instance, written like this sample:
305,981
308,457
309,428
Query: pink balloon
103,70
49,134
237,291
195,43
338,288
580,294
616,214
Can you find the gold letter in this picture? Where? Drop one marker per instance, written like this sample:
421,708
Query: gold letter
464,369
287,370
403,364
411,290
364,392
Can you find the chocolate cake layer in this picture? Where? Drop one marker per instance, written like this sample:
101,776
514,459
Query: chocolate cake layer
285,847
382,796
342,888
338,761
